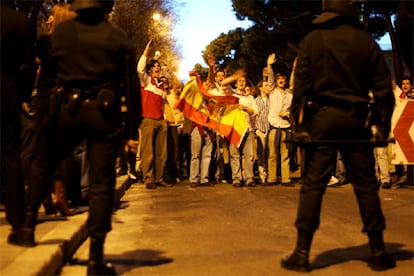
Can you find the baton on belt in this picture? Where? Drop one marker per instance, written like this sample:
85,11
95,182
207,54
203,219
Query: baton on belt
376,143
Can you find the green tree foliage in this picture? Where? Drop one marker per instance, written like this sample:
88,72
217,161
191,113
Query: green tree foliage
135,17
34,9
380,22
278,26
202,71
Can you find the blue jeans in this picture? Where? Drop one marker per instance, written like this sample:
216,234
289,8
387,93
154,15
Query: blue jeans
247,162
201,150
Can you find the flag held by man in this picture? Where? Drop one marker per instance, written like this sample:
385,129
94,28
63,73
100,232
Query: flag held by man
216,112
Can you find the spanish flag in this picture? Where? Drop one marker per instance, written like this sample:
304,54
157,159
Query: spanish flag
215,112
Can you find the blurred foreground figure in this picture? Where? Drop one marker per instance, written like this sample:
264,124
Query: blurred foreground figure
17,76
94,63
338,65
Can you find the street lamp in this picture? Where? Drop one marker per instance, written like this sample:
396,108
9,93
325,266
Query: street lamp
156,16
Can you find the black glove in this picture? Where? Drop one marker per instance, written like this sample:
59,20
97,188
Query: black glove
302,137
380,136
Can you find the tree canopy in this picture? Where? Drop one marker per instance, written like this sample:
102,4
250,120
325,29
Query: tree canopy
278,26
136,17
143,20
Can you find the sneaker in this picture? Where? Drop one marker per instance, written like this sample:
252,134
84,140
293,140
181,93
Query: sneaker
122,172
251,184
394,178
151,186
164,184
288,184
132,178
386,185
333,181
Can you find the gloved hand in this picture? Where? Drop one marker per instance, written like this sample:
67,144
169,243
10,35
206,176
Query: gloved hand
379,136
302,137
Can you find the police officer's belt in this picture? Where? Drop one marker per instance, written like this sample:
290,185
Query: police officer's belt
105,96
79,94
340,104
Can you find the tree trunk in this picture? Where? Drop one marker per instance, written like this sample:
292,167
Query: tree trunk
397,60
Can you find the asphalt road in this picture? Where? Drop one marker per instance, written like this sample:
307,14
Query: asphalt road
223,230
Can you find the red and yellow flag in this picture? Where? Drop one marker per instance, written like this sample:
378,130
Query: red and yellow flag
216,112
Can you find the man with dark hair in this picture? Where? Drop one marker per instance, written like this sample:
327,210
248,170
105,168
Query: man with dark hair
280,101
86,107
338,64
154,126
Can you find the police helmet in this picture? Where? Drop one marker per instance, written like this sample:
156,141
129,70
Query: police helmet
105,5
349,8
352,9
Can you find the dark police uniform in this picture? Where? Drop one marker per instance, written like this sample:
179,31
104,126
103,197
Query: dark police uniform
337,76
95,67
17,76
338,64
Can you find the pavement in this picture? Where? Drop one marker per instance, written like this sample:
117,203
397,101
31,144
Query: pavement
219,230
57,240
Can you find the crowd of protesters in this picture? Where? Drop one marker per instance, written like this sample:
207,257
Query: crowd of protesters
203,157
165,149
172,148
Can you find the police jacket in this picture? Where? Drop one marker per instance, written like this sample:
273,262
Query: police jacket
89,52
47,75
340,62
17,61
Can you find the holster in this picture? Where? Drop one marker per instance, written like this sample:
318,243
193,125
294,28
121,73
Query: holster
73,101
54,108
106,99
304,115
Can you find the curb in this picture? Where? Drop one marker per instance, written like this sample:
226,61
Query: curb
66,248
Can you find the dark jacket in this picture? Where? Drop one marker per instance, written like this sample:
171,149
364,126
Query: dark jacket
90,52
47,75
17,58
340,62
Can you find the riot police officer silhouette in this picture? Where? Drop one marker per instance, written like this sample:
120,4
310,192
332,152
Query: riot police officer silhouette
338,64
95,63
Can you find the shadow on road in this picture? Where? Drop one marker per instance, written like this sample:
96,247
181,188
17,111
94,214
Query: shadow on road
131,260
361,253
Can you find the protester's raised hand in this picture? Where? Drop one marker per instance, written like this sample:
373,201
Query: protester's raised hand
148,48
211,61
271,59
237,74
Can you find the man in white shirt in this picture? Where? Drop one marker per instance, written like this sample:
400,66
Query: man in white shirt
249,106
279,110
